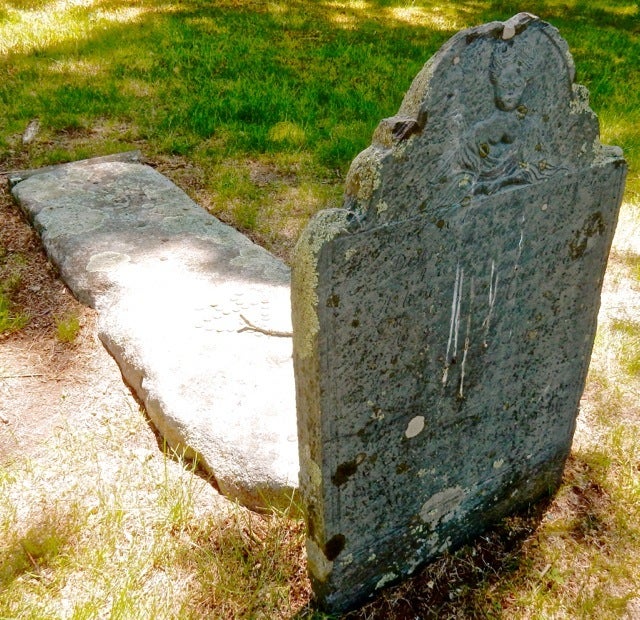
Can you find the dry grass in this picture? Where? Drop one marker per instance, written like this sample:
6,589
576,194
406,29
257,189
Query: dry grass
95,528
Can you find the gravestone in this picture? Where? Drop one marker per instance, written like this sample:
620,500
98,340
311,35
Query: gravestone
444,318
189,308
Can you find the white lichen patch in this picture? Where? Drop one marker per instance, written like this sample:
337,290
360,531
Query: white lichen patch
604,153
107,261
350,253
415,427
400,148
464,182
183,224
385,579
442,506
579,103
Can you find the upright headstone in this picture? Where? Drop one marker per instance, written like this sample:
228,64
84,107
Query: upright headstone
444,318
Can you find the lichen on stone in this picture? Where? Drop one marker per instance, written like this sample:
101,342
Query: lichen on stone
324,227
69,220
385,579
363,177
441,506
106,261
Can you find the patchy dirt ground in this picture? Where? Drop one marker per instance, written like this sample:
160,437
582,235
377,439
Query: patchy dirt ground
45,383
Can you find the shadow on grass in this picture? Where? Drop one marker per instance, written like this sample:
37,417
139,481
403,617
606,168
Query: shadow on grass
214,82
247,566
36,551
184,74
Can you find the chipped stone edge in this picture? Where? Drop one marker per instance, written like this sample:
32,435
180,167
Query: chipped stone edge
326,226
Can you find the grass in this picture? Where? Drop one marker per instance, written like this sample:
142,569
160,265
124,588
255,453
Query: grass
12,318
256,108
134,535
67,327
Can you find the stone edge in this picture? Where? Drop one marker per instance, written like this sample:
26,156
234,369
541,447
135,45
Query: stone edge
17,176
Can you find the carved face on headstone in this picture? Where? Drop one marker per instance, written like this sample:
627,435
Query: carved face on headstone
507,74
509,87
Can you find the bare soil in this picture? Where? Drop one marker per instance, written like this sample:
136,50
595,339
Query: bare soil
45,383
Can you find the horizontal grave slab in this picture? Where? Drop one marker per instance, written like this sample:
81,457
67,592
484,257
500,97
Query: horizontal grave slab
175,290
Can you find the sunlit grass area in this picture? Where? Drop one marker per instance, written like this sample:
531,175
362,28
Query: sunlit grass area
256,108
135,534
294,87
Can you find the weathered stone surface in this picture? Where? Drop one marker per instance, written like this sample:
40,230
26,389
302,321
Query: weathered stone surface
444,319
171,284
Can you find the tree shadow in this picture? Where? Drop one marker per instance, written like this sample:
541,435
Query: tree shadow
232,72
216,79
623,16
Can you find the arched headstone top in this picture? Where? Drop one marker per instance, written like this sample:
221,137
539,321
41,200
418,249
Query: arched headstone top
495,108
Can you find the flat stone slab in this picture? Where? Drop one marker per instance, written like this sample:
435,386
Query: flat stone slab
173,287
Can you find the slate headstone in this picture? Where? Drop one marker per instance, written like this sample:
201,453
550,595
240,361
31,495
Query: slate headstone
444,318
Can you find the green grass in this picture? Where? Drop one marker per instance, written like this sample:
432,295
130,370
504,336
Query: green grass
300,82
12,318
256,108
67,328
